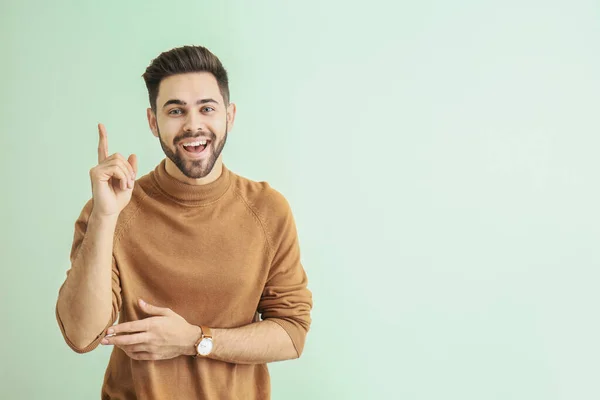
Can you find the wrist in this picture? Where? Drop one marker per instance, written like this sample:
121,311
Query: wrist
103,220
190,343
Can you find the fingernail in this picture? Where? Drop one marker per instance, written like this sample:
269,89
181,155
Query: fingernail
110,331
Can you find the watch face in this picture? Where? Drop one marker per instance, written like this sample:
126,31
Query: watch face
205,347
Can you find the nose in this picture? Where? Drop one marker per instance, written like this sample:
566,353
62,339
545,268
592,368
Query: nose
193,122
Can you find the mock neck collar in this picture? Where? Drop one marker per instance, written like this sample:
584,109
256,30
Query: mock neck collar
194,195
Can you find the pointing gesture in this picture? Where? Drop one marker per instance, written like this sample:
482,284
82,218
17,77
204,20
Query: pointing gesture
112,179
102,144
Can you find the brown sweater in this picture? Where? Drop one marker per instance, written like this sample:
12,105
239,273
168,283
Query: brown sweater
219,255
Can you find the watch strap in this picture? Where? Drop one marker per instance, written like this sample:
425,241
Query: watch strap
206,332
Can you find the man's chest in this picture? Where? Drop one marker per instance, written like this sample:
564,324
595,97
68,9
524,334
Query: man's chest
175,259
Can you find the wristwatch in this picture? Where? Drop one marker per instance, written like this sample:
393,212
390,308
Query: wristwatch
204,344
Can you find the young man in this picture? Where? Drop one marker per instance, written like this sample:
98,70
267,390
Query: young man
200,265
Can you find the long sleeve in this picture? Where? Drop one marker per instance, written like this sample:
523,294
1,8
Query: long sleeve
79,235
215,254
286,299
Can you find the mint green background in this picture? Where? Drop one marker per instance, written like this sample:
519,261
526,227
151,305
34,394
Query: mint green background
441,159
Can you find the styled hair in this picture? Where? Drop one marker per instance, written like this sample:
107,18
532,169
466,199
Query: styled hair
183,60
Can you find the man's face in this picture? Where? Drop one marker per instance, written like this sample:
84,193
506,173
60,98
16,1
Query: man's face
191,122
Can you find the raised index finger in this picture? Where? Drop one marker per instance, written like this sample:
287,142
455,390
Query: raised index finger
102,143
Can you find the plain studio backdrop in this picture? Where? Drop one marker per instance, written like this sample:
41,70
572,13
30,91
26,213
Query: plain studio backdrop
440,158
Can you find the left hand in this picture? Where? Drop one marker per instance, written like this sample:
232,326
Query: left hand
164,335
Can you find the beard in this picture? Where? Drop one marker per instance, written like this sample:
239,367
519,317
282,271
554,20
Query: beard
194,169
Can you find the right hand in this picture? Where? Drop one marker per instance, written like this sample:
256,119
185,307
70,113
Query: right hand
112,179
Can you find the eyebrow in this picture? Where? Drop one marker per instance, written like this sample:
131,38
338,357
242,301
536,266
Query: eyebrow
183,103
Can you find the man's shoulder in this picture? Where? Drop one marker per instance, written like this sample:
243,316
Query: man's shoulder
260,196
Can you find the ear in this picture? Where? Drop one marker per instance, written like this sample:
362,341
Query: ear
231,109
152,121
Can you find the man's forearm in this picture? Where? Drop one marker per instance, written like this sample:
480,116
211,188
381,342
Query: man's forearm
85,301
256,343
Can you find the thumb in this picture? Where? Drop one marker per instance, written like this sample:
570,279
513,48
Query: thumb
133,161
153,310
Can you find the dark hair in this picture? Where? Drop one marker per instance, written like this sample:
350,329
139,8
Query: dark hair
183,60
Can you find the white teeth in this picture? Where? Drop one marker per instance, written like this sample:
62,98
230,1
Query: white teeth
202,142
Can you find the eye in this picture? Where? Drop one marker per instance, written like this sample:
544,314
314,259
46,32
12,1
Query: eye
208,108
176,111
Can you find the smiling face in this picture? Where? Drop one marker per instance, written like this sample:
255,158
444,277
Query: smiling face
191,122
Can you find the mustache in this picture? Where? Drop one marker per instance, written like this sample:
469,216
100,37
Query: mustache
190,135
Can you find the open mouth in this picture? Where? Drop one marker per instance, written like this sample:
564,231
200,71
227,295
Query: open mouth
196,147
